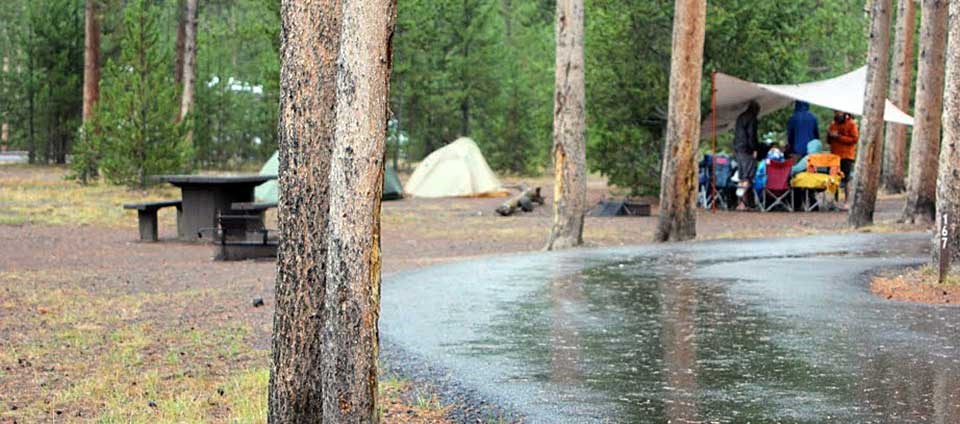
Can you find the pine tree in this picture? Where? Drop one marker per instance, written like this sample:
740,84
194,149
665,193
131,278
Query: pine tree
569,130
948,182
335,81
85,158
138,103
678,182
920,205
866,174
895,143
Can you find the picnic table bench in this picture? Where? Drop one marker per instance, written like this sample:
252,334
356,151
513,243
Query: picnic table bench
244,219
252,206
147,216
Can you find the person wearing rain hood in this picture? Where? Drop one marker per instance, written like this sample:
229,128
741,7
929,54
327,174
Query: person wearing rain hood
801,128
745,144
813,147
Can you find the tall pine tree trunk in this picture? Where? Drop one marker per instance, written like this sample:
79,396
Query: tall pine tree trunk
189,58
4,124
91,58
678,178
569,130
948,182
866,173
925,146
310,37
895,144
179,45
335,75
353,233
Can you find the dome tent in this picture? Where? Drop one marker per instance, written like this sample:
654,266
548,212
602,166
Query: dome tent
455,170
267,192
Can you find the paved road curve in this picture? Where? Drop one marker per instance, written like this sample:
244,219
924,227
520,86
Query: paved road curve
739,331
735,331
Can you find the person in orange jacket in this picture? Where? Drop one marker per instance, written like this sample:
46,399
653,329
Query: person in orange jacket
842,137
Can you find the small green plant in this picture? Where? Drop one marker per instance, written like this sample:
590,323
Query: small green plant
431,403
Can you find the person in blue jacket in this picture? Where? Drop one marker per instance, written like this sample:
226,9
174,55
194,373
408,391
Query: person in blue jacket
801,128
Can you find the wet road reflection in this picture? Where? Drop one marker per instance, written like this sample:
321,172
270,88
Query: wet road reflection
698,333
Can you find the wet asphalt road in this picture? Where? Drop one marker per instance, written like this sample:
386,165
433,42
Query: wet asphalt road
734,331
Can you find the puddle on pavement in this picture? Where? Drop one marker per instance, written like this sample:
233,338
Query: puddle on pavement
628,342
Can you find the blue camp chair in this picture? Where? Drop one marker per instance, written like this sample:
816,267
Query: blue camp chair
725,188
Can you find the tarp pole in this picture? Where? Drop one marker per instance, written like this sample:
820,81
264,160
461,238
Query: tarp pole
713,158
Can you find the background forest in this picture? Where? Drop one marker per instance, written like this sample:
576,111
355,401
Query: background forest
480,68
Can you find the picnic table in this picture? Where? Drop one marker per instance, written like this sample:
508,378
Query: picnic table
205,197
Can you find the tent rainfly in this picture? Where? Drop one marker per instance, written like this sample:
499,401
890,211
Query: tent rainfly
267,192
844,93
455,170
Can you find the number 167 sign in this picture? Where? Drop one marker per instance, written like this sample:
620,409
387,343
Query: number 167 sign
944,234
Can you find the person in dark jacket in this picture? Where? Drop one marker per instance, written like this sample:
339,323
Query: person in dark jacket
801,128
746,141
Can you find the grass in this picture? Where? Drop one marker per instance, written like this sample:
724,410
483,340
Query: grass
96,355
104,356
931,275
41,195
400,402
76,348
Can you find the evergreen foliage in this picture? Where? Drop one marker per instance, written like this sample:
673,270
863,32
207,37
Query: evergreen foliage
42,88
480,68
134,128
237,83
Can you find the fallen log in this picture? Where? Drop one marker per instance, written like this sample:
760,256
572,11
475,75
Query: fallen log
526,200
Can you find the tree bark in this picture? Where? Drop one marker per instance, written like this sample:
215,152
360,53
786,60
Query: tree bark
569,129
91,58
5,125
678,178
925,146
335,75
189,58
353,237
895,144
866,173
948,182
179,45
310,37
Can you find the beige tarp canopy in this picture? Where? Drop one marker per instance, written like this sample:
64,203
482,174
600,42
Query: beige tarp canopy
457,169
844,93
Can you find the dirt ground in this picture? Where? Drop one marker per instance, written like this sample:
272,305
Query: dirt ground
97,326
919,285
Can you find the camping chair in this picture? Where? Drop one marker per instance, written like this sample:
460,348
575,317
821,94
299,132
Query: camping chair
724,186
822,176
777,191
723,166
704,186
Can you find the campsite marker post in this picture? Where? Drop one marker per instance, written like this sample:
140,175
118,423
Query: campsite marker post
944,234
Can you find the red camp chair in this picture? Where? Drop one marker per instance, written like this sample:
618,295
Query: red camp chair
777,189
